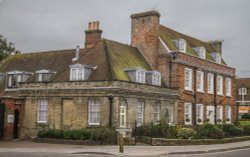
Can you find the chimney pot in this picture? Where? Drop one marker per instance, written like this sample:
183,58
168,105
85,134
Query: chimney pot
93,34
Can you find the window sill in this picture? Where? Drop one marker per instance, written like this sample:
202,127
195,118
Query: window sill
230,96
210,93
189,90
202,92
220,94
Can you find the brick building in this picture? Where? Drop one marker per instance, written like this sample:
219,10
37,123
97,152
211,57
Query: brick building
107,83
243,95
206,84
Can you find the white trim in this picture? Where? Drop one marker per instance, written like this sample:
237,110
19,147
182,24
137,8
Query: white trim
94,109
200,83
228,87
211,90
140,109
188,79
199,115
188,113
42,103
219,85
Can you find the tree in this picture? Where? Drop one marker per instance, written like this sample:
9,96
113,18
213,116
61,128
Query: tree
6,47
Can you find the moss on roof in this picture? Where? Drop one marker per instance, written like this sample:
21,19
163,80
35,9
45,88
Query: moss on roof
122,56
168,35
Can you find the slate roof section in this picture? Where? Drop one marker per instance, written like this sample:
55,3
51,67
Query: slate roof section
110,58
168,35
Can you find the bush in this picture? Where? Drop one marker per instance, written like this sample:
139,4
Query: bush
245,116
215,133
102,134
201,132
246,129
51,133
185,133
82,134
232,130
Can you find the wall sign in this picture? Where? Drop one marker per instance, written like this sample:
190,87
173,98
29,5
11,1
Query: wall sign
10,118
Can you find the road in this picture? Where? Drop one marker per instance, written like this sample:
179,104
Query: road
239,153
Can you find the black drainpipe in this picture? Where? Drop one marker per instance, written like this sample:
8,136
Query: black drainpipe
110,97
215,103
195,97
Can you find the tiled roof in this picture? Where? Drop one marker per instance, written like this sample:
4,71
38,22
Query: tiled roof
168,35
110,58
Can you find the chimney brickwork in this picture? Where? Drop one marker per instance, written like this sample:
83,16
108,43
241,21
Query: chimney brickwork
144,35
93,35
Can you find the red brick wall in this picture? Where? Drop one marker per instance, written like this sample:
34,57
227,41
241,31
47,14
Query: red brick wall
144,35
92,38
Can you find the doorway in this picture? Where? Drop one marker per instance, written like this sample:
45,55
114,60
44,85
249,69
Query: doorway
2,113
123,115
16,124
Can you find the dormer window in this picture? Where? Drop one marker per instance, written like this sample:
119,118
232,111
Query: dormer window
153,78
80,72
181,45
136,74
217,57
44,75
201,51
14,77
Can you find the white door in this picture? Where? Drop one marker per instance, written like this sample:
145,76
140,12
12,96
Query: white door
210,114
123,115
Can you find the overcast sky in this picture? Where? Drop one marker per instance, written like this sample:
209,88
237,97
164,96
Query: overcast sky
42,25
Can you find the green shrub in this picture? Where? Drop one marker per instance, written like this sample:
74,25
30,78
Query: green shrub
50,133
103,134
245,116
215,133
201,132
246,129
185,133
232,130
82,134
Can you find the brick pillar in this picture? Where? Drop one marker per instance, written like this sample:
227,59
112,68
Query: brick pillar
93,35
145,33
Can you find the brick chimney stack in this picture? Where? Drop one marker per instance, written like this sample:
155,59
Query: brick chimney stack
217,45
144,34
93,35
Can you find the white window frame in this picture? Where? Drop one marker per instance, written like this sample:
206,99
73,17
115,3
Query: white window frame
228,114
218,58
210,111
94,111
219,85
156,113
199,113
200,81
156,79
210,83
219,115
187,113
243,91
140,76
228,87
140,112
42,111
188,81
182,46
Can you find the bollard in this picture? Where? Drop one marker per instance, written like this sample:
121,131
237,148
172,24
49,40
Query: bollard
121,143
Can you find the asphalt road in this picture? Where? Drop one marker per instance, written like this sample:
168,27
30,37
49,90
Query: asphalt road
235,153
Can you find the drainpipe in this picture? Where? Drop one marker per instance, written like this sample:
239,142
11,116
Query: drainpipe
110,97
195,97
215,103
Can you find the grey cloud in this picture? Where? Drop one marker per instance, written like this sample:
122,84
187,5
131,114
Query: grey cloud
42,25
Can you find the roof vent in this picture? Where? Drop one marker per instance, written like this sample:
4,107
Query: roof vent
77,54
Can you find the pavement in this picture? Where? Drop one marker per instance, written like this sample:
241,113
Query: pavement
138,150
